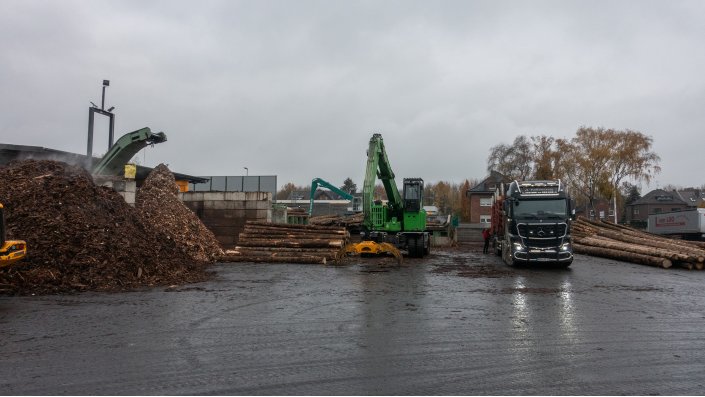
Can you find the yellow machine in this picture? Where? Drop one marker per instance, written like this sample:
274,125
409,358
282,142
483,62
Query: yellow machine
11,251
373,248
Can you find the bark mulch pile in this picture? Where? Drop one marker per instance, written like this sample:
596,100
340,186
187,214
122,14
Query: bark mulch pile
159,207
84,237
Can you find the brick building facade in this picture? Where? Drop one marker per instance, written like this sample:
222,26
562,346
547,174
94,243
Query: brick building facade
480,197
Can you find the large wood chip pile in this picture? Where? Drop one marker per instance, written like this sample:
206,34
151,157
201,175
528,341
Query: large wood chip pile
159,206
604,239
272,242
81,236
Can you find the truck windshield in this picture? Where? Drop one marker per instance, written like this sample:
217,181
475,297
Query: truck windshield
540,209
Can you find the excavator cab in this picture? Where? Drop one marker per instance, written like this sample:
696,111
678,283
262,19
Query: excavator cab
11,251
413,194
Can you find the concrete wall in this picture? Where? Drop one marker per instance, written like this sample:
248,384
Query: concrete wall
127,188
469,233
225,213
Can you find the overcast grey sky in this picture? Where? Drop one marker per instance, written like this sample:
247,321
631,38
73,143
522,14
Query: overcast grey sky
296,88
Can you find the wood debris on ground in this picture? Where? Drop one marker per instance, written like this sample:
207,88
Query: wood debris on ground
274,242
609,240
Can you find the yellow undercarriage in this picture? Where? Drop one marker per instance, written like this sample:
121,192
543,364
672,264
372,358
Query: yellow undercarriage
373,248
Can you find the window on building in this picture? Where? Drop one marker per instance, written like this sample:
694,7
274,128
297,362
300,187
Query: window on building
675,209
636,211
486,219
486,202
657,210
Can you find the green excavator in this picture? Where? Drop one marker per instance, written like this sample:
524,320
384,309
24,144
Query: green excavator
398,224
316,182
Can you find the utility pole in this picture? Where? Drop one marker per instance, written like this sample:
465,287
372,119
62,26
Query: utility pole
615,203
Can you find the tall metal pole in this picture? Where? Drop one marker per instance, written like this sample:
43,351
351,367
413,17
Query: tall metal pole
615,203
111,129
89,149
91,120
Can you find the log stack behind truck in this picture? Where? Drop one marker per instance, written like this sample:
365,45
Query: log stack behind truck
531,223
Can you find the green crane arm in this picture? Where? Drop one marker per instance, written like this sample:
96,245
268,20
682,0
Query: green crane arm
378,166
124,149
318,181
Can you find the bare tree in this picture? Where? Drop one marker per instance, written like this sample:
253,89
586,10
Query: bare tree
515,160
632,158
545,157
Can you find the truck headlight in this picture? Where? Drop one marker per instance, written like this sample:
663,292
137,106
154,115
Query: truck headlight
565,247
518,246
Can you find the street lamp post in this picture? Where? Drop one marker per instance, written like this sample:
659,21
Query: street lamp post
615,203
247,171
111,129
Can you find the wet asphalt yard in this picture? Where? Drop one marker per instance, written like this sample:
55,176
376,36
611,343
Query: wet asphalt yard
458,322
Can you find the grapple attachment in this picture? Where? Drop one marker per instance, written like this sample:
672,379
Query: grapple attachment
371,248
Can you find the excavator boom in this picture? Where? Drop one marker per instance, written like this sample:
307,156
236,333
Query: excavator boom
320,182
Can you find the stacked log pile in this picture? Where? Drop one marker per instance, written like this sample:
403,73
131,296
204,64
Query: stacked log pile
624,243
346,221
284,243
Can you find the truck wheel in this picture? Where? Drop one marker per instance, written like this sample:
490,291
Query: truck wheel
507,256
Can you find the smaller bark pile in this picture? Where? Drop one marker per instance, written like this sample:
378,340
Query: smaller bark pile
159,206
284,243
631,245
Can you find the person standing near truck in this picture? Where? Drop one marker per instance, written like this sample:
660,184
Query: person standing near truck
486,237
